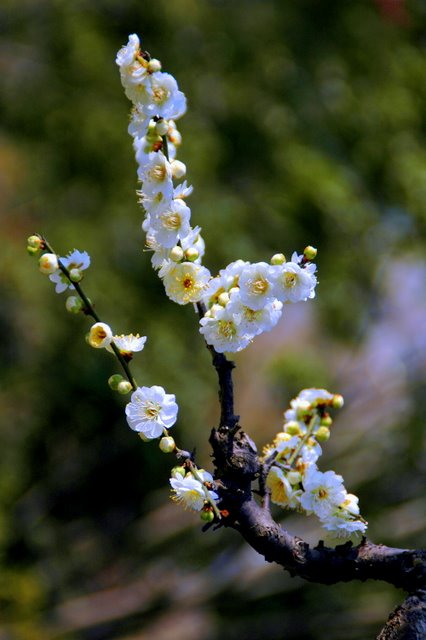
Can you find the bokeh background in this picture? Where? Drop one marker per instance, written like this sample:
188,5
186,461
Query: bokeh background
305,125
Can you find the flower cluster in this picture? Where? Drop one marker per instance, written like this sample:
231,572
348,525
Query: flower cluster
157,104
244,299
294,480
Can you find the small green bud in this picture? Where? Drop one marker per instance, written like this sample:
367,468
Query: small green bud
178,471
207,515
323,434
76,275
32,251
73,304
114,381
292,427
278,258
161,127
192,254
176,254
35,242
337,402
124,387
326,421
167,444
310,253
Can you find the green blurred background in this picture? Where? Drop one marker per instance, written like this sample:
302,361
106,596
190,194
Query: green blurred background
305,125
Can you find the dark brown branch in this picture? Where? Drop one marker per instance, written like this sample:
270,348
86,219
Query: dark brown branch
237,465
408,621
224,369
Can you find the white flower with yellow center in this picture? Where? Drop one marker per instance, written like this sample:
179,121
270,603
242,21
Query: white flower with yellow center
74,260
255,321
256,285
323,492
100,335
294,284
156,176
151,410
163,97
282,493
344,527
189,492
171,225
129,344
221,329
184,282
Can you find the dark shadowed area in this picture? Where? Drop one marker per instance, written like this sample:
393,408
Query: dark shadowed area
305,125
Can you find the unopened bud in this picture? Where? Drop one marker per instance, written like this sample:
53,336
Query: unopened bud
223,298
124,387
278,258
73,304
32,251
178,471
178,169
176,254
153,65
310,253
114,381
76,275
207,515
323,434
326,421
167,444
337,402
48,263
192,254
34,242
162,127
292,427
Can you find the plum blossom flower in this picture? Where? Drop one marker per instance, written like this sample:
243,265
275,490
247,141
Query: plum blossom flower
256,285
282,492
221,329
100,335
74,260
129,344
294,284
151,410
323,492
184,282
172,224
189,491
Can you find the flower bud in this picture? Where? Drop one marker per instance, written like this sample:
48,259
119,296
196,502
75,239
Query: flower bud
114,381
192,254
326,421
161,127
223,298
48,263
76,275
207,515
32,251
178,471
100,335
153,65
323,434
124,387
310,253
167,444
178,169
337,402
292,427
35,242
278,258
176,254
73,304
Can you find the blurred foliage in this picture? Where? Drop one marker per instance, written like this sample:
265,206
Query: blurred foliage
306,125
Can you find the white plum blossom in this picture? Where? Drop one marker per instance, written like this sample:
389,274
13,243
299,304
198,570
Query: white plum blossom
342,527
129,344
156,175
282,492
293,283
253,322
194,240
184,282
189,491
323,492
100,335
256,285
163,97
151,410
221,329
171,225
74,260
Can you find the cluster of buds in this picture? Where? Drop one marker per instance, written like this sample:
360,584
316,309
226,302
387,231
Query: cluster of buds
294,480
